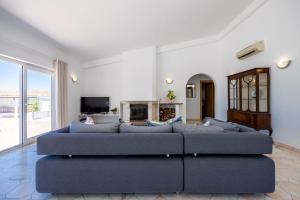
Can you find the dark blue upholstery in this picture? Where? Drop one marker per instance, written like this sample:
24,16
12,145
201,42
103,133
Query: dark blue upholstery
226,162
110,144
79,127
125,128
227,143
116,174
229,174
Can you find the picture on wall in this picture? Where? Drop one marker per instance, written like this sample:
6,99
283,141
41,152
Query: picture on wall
190,91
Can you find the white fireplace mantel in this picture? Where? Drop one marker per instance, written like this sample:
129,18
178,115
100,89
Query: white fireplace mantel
153,109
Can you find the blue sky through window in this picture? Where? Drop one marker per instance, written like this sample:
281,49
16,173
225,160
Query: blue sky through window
9,78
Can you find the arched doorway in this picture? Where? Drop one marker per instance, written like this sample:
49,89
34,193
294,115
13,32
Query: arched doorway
200,98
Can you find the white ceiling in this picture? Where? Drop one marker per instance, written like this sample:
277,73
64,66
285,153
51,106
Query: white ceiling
92,29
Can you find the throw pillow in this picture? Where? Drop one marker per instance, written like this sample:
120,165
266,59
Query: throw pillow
174,120
189,128
89,120
225,125
155,123
243,128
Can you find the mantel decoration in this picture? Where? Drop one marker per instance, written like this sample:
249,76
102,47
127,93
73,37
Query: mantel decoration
190,91
170,96
114,110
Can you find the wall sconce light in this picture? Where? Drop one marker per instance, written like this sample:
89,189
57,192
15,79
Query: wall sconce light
169,80
283,63
74,78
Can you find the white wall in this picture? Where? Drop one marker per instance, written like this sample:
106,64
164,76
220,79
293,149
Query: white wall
21,41
133,77
139,74
182,64
193,104
104,81
277,23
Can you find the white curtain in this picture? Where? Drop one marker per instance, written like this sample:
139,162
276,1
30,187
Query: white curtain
61,91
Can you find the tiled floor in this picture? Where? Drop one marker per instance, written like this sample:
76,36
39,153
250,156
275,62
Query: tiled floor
17,180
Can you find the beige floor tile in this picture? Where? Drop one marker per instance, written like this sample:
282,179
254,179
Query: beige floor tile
97,197
224,197
70,197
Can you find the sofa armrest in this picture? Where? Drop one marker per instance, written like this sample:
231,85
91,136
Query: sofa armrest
227,143
110,144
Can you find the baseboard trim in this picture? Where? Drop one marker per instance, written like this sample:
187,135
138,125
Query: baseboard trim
286,146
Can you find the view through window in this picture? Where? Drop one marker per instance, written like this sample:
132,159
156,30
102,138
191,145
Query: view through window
36,117
9,104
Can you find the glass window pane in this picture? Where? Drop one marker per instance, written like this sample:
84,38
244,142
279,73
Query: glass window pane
252,94
234,94
248,93
9,104
263,92
38,103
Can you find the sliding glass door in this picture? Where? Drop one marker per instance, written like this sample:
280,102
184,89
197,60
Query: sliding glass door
38,105
25,103
10,112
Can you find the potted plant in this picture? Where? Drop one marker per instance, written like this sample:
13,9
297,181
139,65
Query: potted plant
171,95
114,110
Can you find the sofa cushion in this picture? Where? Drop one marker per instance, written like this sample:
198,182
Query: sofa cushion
125,128
109,144
79,127
243,128
227,143
189,128
227,126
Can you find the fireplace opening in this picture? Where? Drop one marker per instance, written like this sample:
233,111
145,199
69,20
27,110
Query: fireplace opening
138,112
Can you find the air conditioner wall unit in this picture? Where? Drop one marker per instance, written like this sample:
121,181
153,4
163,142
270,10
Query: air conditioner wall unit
251,50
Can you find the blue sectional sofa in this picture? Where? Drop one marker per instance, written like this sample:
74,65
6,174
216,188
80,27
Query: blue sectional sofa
165,159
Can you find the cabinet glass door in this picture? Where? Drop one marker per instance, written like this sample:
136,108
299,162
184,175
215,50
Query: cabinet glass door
263,92
234,94
249,93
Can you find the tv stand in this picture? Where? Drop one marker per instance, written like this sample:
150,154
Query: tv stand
101,117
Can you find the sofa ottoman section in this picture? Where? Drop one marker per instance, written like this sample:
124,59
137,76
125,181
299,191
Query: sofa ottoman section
229,174
109,174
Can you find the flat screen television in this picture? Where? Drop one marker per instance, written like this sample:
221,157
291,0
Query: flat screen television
94,105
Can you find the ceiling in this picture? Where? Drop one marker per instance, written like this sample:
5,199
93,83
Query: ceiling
92,29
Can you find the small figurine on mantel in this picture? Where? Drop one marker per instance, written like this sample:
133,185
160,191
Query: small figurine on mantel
170,95
114,110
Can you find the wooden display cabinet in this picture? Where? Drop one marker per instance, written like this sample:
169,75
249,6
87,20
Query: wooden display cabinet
249,98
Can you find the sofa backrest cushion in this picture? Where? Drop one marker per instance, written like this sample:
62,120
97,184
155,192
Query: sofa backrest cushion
79,127
190,128
243,128
110,144
227,126
227,143
125,128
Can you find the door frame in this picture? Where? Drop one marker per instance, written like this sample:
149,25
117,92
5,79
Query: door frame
201,86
